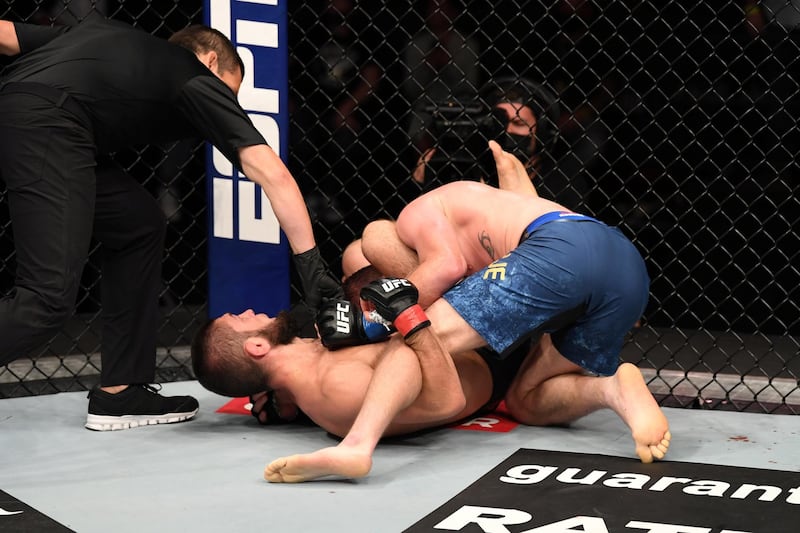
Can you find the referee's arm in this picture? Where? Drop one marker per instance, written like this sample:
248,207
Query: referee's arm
263,166
9,44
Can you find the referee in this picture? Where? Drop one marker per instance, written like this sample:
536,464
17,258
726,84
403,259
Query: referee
71,95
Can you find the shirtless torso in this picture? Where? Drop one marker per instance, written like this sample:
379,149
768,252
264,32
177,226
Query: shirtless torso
329,386
455,232
460,228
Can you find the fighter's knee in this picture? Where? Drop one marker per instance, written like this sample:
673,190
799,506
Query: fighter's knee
522,405
516,406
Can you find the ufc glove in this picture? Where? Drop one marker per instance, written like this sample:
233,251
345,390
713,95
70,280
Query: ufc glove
266,410
395,299
341,324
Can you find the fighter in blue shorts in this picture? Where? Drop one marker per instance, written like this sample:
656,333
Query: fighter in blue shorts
571,276
498,268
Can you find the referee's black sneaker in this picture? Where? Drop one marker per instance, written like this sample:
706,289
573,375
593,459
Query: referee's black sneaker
138,405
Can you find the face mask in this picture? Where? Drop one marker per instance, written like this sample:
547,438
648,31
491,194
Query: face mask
517,145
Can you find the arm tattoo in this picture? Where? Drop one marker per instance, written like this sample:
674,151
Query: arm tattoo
486,244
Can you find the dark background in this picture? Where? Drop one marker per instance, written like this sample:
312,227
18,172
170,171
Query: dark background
678,123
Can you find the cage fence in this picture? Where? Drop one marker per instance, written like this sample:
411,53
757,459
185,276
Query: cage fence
676,121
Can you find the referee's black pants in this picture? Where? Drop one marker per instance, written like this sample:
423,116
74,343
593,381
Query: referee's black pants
58,199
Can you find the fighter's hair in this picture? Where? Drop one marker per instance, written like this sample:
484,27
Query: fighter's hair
200,39
358,279
220,364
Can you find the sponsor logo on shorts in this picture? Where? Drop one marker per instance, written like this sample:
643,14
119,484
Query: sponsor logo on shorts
496,270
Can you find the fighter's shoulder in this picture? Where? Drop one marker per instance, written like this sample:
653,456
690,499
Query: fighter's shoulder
461,187
455,192
344,384
348,366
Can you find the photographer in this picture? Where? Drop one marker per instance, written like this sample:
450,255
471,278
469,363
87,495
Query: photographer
520,115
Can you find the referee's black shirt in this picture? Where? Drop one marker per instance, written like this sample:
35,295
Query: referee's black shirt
136,88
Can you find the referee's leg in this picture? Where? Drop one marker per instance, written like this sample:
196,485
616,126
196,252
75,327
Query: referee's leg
131,228
47,163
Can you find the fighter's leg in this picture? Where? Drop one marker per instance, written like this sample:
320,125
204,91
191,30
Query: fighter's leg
626,393
550,390
414,383
455,333
511,173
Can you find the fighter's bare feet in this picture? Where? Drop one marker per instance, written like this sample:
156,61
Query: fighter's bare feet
634,403
333,461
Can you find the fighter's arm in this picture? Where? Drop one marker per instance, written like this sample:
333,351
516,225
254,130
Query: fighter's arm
416,354
429,398
340,397
424,226
441,398
9,43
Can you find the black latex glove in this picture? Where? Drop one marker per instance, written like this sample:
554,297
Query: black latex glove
316,282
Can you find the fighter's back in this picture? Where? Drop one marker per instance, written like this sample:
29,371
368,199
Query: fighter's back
481,214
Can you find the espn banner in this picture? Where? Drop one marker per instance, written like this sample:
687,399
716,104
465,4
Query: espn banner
248,256
536,491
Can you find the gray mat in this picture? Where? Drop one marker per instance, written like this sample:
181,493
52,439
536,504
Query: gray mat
206,475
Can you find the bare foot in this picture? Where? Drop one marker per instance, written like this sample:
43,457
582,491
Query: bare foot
633,402
333,461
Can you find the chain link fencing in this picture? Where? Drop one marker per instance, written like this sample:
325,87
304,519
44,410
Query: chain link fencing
676,121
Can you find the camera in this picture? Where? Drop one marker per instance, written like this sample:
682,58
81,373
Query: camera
461,133
462,128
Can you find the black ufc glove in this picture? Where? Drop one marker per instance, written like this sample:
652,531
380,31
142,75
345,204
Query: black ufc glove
341,324
317,283
395,299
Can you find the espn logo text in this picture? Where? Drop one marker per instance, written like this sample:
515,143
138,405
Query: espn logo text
240,208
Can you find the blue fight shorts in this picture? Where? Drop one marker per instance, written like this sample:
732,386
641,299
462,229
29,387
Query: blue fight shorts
571,276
